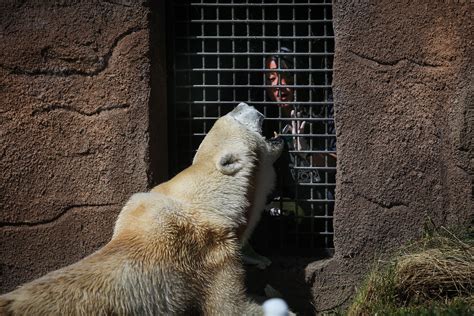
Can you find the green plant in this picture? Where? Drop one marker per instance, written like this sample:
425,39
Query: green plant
433,276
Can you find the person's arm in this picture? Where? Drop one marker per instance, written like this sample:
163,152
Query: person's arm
300,143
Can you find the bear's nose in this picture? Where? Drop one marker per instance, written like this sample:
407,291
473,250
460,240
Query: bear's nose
248,116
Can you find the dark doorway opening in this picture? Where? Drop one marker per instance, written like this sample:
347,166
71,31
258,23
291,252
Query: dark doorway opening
218,53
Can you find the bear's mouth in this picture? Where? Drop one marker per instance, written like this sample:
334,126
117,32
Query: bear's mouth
275,141
252,119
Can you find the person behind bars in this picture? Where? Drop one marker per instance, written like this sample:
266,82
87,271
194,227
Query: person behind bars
297,166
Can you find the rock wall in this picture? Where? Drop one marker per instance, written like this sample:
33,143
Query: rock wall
404,109
82,82
74,126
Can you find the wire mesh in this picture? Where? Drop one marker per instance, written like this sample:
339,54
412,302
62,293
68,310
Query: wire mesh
221,54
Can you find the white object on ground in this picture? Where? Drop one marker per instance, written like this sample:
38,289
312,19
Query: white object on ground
275,307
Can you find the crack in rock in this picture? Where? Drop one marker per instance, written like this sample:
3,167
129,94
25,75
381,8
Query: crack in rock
394,62
64,72
63,107
54,218
385,205
81,154
123,3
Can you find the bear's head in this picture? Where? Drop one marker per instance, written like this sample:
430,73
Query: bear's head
239,161
226,186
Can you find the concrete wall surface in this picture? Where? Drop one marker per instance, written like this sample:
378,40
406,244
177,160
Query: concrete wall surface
74,100
77,138
404,109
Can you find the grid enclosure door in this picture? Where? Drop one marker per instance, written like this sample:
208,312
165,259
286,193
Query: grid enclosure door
276,56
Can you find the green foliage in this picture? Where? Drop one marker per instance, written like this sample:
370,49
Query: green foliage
433,276
456,307
377,293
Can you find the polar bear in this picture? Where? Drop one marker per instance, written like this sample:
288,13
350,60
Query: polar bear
175,249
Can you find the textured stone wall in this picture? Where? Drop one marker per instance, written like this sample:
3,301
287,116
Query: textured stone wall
404,109
77,135
74,121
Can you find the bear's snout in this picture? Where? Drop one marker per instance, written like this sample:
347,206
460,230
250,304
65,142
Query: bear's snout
248,116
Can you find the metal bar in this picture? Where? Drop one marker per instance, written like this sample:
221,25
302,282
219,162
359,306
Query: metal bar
316,200
252,70
259,4
316,217
326,143
234,93
229,37
290,135
253,86
264,47
257,21
319,184
314,167
173,130
313,193
188,79
231,103
253,54
247,29
219,91
203,75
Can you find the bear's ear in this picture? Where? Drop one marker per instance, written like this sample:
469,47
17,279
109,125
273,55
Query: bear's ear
229,163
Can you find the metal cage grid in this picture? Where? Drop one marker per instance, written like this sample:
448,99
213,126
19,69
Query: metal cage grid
219,51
